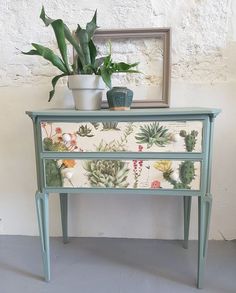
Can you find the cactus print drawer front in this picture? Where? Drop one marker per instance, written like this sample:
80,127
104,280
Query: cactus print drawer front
147,136
165,174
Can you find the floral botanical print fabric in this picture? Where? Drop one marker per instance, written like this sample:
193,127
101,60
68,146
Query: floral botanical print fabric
123,174
153,136
137,137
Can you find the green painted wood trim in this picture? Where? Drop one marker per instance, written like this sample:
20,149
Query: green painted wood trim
39,162
121,118
209,159
43,223
204,162
121,155
204,213
64,216
132,112
138,191
187,200
37,155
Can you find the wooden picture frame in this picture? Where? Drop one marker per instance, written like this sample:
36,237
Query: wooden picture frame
156,100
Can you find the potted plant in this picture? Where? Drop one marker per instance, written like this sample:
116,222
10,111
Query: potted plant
88,74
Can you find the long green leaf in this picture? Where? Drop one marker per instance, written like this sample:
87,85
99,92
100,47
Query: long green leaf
84,43
72,40
49,55
31,52
74,43
97,63
58,28
93,51
107,61
92,26
77,66
106,76
47,20
54,82
124,67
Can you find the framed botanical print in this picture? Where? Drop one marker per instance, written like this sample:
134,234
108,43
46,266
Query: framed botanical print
151,48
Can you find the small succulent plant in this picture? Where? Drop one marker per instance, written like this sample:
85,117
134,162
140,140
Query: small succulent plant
95,124
110,126
84,130
113,146
153,134
107,173
190,139
116,145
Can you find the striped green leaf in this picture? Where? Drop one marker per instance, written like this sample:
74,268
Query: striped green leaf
61,41
68,35
54,82
49,55
92,26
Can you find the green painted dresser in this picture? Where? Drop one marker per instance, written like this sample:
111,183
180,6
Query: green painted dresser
143,151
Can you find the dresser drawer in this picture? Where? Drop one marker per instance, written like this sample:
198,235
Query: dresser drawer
95,173
108,136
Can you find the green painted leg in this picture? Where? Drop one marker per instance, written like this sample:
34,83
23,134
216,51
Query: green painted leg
204,211
64,215
187,211
43,220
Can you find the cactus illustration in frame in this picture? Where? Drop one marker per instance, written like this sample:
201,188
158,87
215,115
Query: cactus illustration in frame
185,177
186,173
153,134
53,174
57,171
190,139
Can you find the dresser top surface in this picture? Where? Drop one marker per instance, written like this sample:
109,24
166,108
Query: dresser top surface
133,112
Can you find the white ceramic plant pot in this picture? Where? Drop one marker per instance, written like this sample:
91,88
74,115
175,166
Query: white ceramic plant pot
87,91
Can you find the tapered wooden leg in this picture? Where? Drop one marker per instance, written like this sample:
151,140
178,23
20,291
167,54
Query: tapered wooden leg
187,212
204,211
43,223
64,215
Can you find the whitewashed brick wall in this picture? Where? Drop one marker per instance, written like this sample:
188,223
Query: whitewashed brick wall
202,34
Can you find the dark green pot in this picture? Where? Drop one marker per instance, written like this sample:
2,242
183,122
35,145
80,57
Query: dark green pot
119,98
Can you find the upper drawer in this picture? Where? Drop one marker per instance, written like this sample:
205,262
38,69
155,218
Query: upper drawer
145,136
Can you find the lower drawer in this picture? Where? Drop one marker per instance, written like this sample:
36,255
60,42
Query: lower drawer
150,174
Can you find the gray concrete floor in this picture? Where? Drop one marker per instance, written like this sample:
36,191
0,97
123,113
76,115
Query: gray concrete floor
105,265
